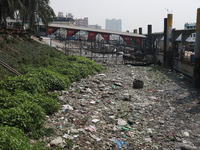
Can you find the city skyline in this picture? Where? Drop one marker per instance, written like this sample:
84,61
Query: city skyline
113,24
134,14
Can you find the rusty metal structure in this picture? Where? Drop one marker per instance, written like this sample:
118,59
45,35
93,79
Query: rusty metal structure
95,36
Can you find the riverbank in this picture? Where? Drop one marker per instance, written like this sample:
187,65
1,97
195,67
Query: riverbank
104,111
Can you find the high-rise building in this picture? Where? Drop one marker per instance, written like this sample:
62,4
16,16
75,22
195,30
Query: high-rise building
82,22
114,25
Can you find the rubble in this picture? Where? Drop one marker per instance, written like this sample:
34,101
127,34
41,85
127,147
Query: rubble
104,111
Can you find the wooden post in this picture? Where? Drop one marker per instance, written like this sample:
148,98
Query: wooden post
196,76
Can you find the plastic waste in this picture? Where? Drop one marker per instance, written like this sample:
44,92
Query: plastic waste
120,143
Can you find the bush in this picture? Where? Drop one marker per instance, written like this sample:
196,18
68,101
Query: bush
75,67
51,80
29,83
28,116
37,81
12,138
49,104
70,70
4,93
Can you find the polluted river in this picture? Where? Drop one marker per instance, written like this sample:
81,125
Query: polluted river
106,111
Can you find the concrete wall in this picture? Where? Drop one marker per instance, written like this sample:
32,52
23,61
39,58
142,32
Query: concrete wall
184,67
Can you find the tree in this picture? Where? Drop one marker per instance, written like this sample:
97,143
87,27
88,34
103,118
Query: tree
40,9
4,9
28,10
7,9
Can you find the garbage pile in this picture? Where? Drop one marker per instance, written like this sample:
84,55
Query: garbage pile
105,111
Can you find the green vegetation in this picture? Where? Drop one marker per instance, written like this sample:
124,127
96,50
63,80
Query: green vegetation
48,103
12,138
26,100
27,116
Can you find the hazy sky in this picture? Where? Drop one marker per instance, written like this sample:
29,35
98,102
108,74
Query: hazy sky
134,13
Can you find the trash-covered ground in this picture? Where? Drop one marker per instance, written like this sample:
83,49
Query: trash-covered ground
104,111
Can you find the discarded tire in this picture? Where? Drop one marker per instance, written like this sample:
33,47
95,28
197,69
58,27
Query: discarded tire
138,84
